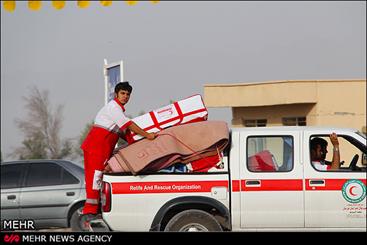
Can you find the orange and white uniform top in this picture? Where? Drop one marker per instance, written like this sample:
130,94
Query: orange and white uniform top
320,165
103,136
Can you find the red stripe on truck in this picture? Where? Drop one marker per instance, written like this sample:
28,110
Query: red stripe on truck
237,186
166,187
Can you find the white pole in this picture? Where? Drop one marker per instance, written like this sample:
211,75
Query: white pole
105,81
106,68
121,71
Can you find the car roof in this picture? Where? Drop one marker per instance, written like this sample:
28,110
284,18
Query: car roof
70,165
39,161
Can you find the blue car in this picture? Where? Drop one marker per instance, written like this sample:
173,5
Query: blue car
49,192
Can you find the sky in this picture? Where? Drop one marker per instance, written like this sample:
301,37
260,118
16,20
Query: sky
170,50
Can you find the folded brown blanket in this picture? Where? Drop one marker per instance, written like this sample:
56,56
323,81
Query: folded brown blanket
183,143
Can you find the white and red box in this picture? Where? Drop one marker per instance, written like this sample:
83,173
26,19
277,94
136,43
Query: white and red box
191,109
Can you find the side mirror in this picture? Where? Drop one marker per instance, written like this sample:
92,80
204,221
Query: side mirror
364,159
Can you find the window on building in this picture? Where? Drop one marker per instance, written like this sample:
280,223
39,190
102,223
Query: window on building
254,122
294,121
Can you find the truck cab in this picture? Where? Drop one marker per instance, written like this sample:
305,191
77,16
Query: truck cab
267,183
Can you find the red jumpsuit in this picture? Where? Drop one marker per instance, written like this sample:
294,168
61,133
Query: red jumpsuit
98,147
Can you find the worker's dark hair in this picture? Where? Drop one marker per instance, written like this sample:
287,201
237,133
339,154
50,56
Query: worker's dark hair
123,86
317,141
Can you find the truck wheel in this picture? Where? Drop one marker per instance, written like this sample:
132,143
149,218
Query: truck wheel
75,220
193,220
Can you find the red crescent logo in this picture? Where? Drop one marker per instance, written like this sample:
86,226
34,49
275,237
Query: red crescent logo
351,191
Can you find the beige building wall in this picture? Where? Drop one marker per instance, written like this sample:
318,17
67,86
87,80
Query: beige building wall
341,103
273,114
323,102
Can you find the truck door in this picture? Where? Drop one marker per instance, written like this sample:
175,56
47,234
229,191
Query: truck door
336,198
271,180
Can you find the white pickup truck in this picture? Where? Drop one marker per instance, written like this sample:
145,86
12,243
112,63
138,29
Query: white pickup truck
267,183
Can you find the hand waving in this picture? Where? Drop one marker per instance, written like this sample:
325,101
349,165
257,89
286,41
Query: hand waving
334,139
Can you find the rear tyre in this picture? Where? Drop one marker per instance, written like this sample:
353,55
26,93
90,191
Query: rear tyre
193,220
75,223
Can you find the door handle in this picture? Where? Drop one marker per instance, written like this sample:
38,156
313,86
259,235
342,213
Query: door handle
71,193
319,182
252,183
11,197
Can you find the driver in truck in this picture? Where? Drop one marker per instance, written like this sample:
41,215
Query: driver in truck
318,147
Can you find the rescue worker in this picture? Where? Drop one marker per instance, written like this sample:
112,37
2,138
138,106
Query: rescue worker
319,150
99,144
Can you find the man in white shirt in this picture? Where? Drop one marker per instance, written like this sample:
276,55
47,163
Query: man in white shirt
319,150
100,142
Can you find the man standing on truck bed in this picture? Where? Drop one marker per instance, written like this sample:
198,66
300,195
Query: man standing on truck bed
100,143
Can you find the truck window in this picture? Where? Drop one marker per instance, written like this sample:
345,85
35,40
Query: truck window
351,153
270,153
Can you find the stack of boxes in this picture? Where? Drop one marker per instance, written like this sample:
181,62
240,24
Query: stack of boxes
189,110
